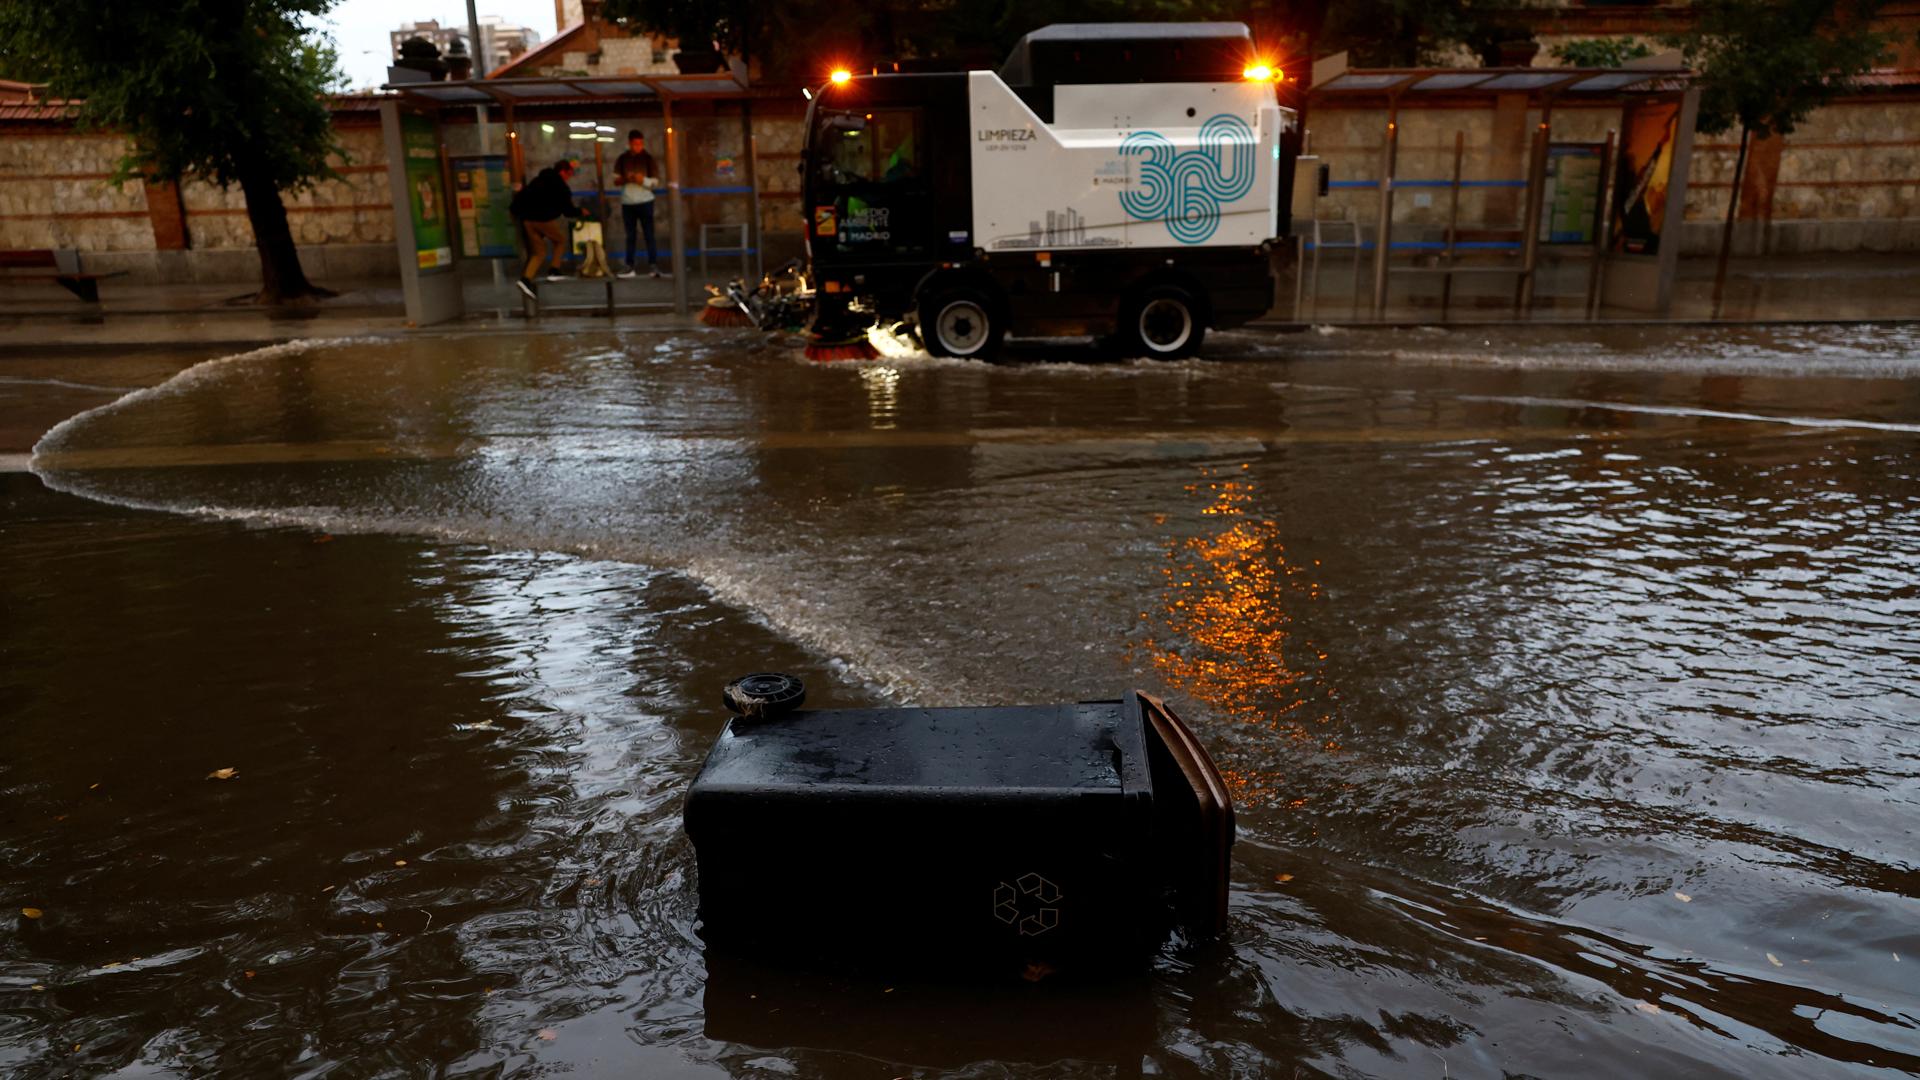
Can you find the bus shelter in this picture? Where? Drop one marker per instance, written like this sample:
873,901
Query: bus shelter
1568,184
457,151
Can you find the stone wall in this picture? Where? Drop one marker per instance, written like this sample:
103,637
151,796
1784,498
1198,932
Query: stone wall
55,193
1846,180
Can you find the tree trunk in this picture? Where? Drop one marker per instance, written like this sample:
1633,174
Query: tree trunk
1726,233
281,278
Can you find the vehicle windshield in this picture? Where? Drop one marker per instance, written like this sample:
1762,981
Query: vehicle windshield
868,147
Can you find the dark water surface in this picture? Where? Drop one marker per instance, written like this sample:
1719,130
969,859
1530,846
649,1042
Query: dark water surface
1569,687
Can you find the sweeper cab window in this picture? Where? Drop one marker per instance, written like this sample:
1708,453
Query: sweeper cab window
867,175
858,148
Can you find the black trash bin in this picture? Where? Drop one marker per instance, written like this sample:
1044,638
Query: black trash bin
1034,839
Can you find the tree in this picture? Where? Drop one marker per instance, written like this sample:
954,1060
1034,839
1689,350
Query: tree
1765,64
1601,52
226,91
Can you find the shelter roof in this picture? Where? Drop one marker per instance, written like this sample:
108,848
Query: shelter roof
583,89
1526,80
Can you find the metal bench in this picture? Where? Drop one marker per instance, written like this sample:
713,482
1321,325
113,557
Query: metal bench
46,266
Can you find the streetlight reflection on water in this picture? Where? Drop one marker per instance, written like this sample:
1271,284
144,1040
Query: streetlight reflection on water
1223,632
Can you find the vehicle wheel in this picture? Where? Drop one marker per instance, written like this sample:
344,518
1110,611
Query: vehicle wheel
960,322
1163,322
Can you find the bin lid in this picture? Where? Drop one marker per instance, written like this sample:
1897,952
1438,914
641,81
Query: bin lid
980,752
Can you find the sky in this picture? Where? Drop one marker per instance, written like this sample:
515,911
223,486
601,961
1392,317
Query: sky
360,27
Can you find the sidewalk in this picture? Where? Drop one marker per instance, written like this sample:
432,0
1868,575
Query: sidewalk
38,316
41,318
1854,287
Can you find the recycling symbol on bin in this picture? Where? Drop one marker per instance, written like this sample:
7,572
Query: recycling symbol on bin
1030,903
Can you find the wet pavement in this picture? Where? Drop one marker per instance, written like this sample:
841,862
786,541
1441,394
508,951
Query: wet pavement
43,320
1564,679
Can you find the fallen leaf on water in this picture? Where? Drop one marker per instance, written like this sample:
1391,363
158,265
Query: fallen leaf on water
1774,960
111,964
593,881
1646,1006
329,888
323,538
1683,898
249,974
90,787
399,862
32,912
548,1034
1283,878
1036,972
39,986
223,774
62,817
379,926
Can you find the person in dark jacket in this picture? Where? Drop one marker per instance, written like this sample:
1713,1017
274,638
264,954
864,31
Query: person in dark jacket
540,205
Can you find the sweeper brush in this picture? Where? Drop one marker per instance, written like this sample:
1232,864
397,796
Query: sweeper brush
722,311
855,347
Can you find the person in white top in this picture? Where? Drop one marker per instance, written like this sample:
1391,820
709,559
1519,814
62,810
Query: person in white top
634,172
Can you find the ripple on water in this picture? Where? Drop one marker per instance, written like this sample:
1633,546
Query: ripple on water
1566,699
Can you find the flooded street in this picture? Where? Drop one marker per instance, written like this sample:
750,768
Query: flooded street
1567,681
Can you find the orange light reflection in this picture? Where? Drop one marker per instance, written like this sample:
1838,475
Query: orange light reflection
1223,633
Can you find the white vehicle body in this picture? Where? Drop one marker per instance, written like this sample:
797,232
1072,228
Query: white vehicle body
1134,165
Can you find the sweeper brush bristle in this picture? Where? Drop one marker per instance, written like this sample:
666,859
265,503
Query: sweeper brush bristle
853,349
720,311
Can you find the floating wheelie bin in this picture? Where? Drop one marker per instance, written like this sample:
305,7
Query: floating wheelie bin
1047,838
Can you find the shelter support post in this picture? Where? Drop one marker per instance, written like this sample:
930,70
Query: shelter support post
1602,226
753,181
677,205
1530,215
1383,232
1453,225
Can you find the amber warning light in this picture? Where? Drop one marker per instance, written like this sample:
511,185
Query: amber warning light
840,76
1258,72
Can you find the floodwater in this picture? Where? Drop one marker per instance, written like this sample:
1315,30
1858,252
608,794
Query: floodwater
1568,683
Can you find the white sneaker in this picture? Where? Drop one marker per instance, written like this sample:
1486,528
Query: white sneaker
526,286
628,272
655,272
555,277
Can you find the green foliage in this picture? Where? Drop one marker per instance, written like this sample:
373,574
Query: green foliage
796,40
214,89
1405,33
1765,64
1600,52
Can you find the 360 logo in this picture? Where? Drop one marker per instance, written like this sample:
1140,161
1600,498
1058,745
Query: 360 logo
1187,188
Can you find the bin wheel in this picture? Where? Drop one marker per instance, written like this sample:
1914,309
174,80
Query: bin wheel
1163,323
960,322
764,695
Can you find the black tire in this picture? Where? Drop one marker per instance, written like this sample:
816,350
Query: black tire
1163,322
972,326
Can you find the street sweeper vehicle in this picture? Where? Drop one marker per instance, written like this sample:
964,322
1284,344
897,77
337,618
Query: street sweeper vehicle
1122,181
